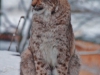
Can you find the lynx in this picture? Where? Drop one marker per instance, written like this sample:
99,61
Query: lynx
51,48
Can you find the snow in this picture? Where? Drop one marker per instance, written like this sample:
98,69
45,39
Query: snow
9,63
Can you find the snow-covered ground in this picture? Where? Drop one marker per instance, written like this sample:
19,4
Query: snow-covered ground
9,63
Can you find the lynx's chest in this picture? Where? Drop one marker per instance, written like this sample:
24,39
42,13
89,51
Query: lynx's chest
49,51
49,38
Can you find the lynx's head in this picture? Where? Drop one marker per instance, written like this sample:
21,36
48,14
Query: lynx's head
46,7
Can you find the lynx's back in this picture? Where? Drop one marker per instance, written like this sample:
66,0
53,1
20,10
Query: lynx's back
52,40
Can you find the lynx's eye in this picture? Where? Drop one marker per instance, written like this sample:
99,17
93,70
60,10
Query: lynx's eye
37,8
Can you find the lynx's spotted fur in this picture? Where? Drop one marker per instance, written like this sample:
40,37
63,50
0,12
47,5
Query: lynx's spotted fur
51,47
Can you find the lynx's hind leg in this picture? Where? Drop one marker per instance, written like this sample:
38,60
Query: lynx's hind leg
27,66
74,65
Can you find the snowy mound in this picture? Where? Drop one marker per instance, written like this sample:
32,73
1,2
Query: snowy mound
9,63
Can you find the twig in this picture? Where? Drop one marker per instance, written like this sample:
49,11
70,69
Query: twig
14,34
